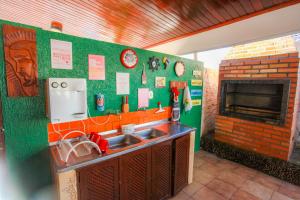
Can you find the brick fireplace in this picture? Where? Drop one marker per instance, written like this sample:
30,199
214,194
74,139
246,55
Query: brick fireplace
272,134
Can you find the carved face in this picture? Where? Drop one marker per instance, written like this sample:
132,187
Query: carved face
25,68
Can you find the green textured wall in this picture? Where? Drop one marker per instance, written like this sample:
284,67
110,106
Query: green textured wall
25,120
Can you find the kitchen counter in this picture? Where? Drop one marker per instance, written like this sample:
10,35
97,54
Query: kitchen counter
171,130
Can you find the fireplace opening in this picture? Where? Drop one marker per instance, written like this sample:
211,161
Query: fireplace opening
255,100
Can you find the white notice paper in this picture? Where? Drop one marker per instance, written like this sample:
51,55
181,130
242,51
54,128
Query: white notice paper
122,83
61,54
143,97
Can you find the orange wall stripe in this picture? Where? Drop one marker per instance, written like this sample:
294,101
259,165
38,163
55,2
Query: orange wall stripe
114,122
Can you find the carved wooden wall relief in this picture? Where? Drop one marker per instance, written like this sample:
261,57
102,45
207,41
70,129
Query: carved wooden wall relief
20,61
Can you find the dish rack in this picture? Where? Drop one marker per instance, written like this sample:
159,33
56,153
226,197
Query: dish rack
81,147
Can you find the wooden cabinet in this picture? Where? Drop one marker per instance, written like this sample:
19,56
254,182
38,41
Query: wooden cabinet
153,173
100,181
161,171
135,173
181,163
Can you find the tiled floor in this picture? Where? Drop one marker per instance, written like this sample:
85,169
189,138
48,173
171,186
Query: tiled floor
219,179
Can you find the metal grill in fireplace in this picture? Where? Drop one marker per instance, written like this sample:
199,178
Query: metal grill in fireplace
255,100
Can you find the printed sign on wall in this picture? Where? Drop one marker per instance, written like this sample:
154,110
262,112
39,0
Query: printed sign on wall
196,93
20,61
143,97
196,82
96,67
160,82
196,102
61,54
122,83
197,73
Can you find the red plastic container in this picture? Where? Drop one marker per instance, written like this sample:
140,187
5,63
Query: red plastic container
102,143
94,137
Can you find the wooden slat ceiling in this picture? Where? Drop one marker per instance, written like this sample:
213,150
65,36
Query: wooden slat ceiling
138,23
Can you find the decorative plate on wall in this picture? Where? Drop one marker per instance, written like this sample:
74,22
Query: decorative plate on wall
153,63
179,68
129,58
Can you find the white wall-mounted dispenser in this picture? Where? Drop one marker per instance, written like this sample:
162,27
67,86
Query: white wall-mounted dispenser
66,99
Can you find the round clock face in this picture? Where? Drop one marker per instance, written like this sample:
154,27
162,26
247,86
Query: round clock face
153,64
129,58
179,68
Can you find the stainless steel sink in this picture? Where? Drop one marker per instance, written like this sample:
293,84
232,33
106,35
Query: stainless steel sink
149,134
122,141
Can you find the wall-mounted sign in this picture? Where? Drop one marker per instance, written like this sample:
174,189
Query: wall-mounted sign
122,83
96,67
196,102
196,93
61,54
143,97
196,82
178,84
129,58
160,82
20,61
197,73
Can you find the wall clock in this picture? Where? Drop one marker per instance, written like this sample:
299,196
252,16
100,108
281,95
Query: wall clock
129,58
179,68
153,63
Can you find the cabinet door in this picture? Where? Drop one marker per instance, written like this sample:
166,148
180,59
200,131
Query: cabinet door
181,163
135,173
100,181
161,170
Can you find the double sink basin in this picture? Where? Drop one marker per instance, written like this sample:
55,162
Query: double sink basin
126,140
114,143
